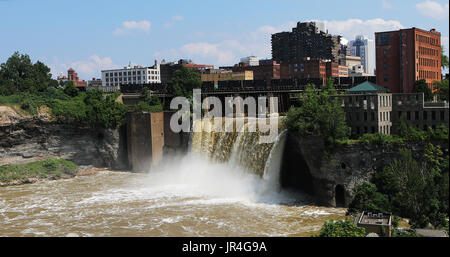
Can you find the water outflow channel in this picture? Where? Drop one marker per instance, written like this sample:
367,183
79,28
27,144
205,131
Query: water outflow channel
228,185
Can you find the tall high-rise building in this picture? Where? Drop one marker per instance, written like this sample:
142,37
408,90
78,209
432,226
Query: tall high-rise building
364,48
305,40
407,55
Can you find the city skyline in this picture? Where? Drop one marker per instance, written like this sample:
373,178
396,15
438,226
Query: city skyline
105,35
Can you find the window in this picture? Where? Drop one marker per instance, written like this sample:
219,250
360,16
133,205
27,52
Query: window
385,65
416,115
384,52
385,77
383,39
442,115
399,114
433,115
408,115
425,115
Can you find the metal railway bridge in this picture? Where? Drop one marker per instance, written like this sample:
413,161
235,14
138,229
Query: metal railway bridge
286,91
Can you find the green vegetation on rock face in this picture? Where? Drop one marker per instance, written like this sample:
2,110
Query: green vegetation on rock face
414,189
318,115
30,86
341,228
48,168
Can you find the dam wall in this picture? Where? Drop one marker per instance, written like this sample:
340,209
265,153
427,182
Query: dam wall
150,139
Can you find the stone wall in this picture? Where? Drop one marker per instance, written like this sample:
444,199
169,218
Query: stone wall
34,139
308,167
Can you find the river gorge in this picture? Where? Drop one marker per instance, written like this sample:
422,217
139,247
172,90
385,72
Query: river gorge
225,184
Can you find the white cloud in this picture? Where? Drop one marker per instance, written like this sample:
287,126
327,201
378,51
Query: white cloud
228,50
86,69
386,5
433,9
130,26
353,27
175,18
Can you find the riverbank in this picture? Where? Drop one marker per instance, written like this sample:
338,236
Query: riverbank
47,169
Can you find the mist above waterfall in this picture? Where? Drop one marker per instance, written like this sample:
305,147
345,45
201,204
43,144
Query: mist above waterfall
228,165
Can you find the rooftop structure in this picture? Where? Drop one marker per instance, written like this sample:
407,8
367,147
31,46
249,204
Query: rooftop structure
380,223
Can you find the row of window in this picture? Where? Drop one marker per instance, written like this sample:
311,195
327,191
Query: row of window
427,62
427,51
428,40
425,115
382,129
131,78
129,73
425,74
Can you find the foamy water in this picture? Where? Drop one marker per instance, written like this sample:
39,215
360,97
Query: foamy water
188,196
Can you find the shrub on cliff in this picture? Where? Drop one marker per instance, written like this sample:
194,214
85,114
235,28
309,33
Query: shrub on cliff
318,115
90,109
379,139
418,190
366,198
341,228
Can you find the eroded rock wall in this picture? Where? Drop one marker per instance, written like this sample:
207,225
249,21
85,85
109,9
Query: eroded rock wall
34,139
310,167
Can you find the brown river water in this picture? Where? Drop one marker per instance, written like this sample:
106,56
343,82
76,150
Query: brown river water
158,204
228,185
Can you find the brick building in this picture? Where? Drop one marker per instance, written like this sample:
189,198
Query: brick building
305,40
266,70
168,69
407,55
309,68
73,76
216,75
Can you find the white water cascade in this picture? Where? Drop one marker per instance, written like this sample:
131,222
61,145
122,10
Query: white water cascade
241,149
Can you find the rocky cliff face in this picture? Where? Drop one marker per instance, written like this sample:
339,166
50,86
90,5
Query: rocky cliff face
331,175
34,139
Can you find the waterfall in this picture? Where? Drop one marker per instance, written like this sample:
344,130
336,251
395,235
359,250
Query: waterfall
240,147
273,164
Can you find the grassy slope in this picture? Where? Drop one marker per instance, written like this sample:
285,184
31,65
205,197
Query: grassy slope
48,168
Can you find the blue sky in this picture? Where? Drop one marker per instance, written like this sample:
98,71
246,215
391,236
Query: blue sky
99,34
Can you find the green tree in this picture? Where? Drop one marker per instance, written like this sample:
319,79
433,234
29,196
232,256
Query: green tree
319,114
366,198
441,88
70,89
341,228
184,81
19,74
420,86
412,186
444,58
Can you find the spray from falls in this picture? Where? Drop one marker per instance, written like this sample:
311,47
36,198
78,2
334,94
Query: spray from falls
241,149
